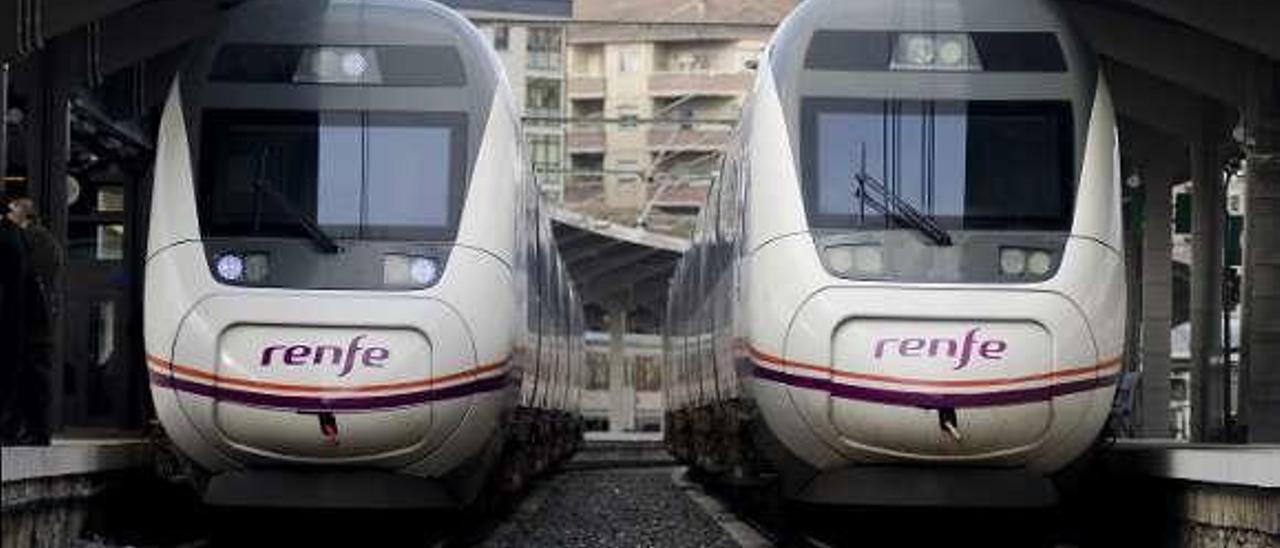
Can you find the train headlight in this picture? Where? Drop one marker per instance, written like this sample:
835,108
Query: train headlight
953,50
1039,263
1013,261
917,49
256,267
230,267
242,267
862,259
1021,261
423,270
409,270
935,51
338,65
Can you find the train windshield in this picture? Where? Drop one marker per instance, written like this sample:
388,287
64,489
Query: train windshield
348,174
949,165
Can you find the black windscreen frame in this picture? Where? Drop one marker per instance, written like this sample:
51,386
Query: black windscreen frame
862,50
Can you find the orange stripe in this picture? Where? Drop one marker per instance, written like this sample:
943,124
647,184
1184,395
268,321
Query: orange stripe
306,388
924,382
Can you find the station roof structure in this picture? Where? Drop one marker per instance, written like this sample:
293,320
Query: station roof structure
615,265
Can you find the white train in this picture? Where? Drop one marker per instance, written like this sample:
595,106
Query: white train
352,294
907,284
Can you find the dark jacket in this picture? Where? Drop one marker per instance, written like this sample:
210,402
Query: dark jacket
14,271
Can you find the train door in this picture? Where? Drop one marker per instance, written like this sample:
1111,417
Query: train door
102,281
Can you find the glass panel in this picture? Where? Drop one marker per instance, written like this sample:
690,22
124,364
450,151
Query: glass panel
341,159
110,242
974,165
410,166
105,332
111,199
648,374
597,371
359,175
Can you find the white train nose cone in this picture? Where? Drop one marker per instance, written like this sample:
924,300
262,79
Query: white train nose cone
988,376
355,380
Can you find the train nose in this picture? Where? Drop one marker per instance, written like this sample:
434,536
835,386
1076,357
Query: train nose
949,386
305,381
973,378
337,387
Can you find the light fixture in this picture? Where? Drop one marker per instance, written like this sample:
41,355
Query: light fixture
1013,261
409,270
857,259
423,270
256,267
917,49
230,267
868,259
839,259
339,65
935,52
354,64
1039,263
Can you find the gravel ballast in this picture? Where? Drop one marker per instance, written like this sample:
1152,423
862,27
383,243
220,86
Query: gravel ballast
618,508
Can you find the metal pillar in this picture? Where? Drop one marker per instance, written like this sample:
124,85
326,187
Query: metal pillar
1206,283
1260,337
622,396
46,82
1157,301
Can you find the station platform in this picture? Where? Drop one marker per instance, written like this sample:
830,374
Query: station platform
1171,493
67,457
53,495
1219,464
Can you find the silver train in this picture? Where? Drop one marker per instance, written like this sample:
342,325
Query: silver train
906,286
352,293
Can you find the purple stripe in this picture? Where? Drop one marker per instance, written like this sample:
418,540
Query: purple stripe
934,401
305,403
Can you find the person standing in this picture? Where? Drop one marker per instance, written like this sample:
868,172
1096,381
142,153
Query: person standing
13,325
46,257
25,416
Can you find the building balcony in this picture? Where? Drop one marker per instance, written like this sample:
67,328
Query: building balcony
696,139
586,87
585,138
675,84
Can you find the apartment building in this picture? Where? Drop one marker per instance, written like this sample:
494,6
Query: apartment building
654,89
529,36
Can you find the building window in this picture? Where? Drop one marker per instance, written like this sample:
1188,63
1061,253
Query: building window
598,372
543,97
501,37
545,152
689,62
1182,213
544,48
648,373
628,61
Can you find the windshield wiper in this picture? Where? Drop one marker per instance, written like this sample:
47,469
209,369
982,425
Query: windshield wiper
317,235
898,209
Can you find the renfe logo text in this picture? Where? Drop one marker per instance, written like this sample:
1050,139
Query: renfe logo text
962,350
301,354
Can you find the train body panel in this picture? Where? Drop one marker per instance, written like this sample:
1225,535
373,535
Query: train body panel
917,226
